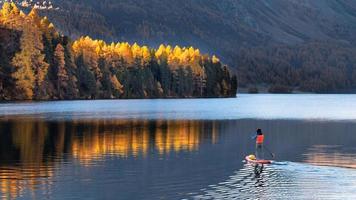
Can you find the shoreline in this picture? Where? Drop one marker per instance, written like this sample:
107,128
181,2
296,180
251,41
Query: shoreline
264,90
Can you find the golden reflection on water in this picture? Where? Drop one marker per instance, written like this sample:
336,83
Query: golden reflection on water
30,168
15,180
325,155
94,144
32,150
138,139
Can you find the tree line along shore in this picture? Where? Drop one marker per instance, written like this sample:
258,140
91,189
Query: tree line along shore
37,62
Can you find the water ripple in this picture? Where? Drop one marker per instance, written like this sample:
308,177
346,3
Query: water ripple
285,181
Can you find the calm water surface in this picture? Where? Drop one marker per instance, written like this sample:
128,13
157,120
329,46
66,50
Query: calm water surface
179,149
263,106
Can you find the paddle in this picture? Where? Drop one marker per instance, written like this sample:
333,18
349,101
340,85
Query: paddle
272,154
253,136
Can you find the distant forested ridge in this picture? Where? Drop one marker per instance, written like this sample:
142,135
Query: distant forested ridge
37,62
321,67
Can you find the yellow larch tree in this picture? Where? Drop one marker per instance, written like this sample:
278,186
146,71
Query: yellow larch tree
126,53
146,54
136,51
215,59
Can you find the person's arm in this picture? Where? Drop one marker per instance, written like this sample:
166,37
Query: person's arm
254,137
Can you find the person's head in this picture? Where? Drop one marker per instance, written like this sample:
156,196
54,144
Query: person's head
259,132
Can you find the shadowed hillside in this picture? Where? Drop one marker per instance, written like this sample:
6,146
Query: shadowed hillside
322,67
218,27
225,28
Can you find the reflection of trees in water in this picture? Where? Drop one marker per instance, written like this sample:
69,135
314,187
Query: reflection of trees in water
26,167
330,155
31,150
96,140
135,138
16,179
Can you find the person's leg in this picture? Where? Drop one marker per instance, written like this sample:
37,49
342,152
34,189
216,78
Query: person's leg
259,153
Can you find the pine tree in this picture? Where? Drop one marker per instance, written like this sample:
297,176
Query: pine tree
35,18
2,77
72,90
40,67
86,80
116,85
62,75
24,74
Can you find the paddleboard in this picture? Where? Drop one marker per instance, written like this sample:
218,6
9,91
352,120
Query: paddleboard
247,158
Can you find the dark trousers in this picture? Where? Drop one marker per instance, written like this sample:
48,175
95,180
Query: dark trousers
259,152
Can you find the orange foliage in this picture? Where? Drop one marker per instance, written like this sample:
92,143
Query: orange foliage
176,57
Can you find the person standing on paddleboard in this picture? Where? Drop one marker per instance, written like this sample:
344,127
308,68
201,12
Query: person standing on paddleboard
259,144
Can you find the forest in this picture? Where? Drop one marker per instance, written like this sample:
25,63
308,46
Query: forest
37,62
320,67
274,45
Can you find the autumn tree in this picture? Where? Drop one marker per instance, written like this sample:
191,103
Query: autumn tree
24,74
62,75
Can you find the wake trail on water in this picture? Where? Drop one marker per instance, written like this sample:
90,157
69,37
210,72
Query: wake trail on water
285,180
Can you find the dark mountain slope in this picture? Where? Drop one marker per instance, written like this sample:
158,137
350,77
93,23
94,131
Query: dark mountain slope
321,67
215,26
153,22
222,27
294,21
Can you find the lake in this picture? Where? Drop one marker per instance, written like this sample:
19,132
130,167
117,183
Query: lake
179,149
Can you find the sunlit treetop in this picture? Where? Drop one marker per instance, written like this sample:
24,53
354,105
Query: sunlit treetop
175,57
8,11
215,59
34,16
11,15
